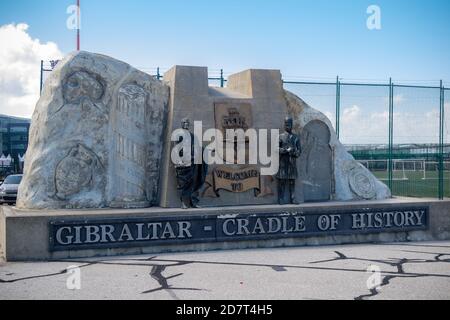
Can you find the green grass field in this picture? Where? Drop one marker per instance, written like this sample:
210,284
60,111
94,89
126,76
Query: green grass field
414,185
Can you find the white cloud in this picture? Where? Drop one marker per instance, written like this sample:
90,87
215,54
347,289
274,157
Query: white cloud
360,127
363,127
351,114
398,99
20,57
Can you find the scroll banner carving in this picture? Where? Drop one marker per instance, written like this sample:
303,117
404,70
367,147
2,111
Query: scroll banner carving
237,180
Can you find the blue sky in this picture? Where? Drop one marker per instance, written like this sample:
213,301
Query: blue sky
303,38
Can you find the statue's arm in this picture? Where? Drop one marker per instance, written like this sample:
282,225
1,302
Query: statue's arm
298,148
282,149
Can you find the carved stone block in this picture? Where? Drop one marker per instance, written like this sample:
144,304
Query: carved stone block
95,137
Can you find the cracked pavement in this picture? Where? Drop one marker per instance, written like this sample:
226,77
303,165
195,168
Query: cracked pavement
419,270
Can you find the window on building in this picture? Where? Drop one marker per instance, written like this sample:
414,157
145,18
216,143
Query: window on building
18,129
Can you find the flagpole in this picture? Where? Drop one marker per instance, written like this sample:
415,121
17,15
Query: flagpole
78,25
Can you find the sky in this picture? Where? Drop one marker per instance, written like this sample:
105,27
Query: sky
305,39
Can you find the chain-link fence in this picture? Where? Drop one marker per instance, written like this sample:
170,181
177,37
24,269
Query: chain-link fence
399,132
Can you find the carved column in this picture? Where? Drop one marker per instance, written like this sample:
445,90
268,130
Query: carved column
130,154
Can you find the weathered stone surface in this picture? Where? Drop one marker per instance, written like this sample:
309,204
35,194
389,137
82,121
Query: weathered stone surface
351,180
316,162
95,138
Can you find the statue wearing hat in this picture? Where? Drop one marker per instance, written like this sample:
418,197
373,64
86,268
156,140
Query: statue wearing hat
190,176
290,150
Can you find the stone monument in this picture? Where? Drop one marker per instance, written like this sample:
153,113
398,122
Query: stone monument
102,138
95,137
96,133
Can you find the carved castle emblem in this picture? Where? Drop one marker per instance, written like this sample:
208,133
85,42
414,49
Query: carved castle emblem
233,177
233,116
234,120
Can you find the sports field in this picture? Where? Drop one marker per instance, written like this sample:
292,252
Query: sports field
416,183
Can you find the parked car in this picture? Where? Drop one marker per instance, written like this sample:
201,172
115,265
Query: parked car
8,189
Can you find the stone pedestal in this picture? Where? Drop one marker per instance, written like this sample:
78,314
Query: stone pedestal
252,99
60,234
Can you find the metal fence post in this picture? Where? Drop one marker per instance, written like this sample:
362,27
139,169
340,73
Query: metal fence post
42,76
441,142
391,133
221,78
158,74
338,105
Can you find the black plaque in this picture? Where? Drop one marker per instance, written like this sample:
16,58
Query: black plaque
183,229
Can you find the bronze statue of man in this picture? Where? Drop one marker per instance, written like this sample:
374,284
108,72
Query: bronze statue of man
290,150
190,176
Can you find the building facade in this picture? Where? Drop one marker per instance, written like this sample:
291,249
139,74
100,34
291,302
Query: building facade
13,142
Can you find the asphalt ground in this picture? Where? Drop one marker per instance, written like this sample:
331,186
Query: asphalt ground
371,271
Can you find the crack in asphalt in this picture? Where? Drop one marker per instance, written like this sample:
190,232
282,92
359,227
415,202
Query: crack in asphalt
394,262
42,275
156,273
157,269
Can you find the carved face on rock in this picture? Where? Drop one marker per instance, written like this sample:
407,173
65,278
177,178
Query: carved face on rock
81,85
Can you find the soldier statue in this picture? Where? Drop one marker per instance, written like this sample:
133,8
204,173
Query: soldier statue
290,150
190,176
